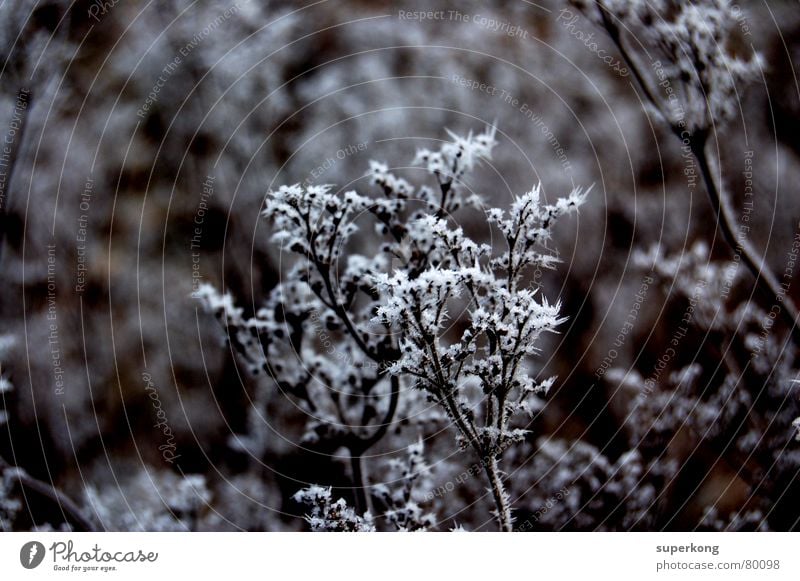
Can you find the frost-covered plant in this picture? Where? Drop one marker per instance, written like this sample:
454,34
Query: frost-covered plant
698,62
453,317
745,329
503,322
5,384
9,506
743,413
327,515
677,412
693,80
151,500
16,484
704,283
574,486
751,520
403,501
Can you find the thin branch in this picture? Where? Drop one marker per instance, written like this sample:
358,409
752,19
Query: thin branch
394,398
616,37
503,509
359,487
69,509
766,282
341,312
12,164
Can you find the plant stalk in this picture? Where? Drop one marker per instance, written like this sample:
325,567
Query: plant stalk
363,503
68,508
766,282
499,494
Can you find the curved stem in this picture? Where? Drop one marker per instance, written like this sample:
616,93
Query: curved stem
766,282
69,509
614,34
341,312
12,164
394,398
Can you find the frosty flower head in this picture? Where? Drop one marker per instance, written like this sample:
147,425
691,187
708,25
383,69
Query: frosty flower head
696,66
391,184
402,493
503,321
190,495
220,304
454,159
328,515
693,275
702,64
427,306
459,155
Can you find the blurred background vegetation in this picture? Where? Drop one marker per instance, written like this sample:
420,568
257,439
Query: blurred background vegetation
277,92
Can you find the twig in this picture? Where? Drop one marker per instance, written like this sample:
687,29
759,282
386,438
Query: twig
503,509
69,509
12,164
765,280
359,488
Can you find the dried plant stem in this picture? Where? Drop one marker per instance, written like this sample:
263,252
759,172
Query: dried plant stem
66,506
488,459
766,282
499,494
12,164
359,489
